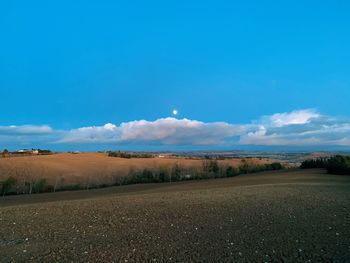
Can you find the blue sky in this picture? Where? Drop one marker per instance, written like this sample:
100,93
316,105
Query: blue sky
65,65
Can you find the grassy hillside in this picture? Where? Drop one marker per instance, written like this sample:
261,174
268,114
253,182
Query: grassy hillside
94,169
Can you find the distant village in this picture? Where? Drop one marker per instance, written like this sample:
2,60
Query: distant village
24,152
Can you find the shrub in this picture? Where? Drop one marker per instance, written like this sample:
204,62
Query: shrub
39,186
231,171
7,185
175,173
44,152
147,176
163,175
211,167
315,163
119,180
126,155
71,187
249,167
140,177
49,188
339,165
246,168
274,166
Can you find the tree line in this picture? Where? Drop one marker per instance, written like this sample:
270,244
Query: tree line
210,169
338,164
127,155
177,172
13,186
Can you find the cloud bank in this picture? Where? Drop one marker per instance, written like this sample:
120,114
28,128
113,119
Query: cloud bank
168,131
305,127
299,128
25,130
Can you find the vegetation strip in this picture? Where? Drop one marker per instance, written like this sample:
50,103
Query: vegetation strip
210,169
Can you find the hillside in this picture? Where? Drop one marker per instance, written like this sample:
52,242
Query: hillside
294,216
97,168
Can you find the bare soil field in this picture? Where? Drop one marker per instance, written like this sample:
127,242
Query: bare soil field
96,167
285,216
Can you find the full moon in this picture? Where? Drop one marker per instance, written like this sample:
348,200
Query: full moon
175,112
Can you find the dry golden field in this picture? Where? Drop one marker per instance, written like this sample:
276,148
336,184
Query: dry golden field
97,168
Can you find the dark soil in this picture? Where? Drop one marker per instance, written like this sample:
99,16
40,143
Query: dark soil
297,216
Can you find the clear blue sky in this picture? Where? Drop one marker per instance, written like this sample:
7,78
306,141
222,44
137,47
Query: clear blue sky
70,64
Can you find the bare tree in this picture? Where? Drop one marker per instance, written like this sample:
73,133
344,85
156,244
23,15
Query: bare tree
58,182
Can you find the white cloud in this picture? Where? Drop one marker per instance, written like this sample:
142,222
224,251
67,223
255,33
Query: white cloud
109,133
259,133
25,135
162,131
297,128
300,128
175,131
294,117
25,130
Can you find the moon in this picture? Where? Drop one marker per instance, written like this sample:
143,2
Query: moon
175,112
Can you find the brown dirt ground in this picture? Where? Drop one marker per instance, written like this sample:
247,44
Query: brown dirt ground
293,216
